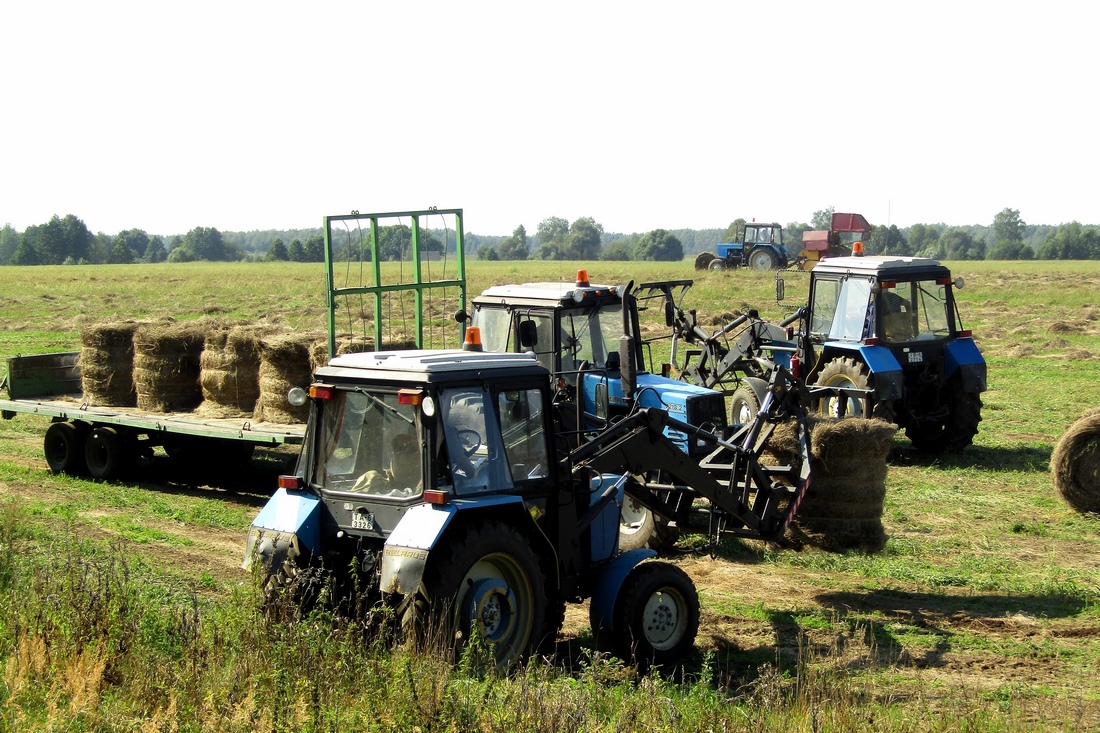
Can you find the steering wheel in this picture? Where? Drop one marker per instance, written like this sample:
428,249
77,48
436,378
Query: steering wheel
470,440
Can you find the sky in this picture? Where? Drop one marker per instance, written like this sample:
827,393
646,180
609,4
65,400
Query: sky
244,115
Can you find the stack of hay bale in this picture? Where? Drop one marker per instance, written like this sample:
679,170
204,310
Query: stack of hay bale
230,371
842,510
1075,464
285,362
107,364
167,365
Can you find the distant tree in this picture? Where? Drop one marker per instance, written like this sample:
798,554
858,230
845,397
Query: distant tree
552,250
277,251
958,244
887,240
121,254
515,246
487,252
552,229
181,254
1071,242
296,252
1008,250
136,239
315,248
619,249
659,245
9,241
583,241
394,241
920,237
25,253
823,220
204,243
1008,227
155,251
99,251
733,231
50,242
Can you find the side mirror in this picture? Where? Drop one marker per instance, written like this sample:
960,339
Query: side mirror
778,289
528,335
462,316
670,314
959,282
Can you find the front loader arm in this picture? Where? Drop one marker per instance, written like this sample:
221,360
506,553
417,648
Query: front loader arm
755,499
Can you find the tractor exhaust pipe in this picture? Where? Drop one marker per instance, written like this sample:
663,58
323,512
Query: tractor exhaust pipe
628,369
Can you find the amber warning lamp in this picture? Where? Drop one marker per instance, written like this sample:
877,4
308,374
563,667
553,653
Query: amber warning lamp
857,249
473,339
582,278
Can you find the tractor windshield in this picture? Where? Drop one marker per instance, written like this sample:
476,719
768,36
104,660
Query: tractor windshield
590,334
913,311
370,443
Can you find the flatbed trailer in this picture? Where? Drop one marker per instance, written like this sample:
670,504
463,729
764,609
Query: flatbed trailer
100,441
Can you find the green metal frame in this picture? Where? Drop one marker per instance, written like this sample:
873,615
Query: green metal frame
418,286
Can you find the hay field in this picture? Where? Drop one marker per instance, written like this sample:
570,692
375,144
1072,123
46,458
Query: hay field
986,591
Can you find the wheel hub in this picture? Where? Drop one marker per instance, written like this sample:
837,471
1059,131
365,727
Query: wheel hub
491,606
661,618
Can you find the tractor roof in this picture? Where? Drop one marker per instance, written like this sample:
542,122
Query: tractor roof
431,365
884,266
553,294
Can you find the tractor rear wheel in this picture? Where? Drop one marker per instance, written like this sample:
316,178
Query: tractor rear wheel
485,584
656,615
958,429
763,258
64,447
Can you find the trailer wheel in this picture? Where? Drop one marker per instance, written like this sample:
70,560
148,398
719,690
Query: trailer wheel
656,614
64,447
487,583
636,525
959,428
104,452
763,258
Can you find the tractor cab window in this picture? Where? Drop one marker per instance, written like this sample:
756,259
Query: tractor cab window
589,334
496,329
840,308
475,456
504,330
522,428
914,311
370,443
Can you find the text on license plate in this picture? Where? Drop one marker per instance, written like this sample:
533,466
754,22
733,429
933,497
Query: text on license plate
362,520
916,357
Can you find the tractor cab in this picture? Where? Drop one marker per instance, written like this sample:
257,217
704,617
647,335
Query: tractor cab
563,324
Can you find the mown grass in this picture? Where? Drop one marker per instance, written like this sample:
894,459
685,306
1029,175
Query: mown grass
981,613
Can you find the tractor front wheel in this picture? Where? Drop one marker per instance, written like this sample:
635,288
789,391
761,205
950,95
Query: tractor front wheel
743,406
846,373
486,584
656,615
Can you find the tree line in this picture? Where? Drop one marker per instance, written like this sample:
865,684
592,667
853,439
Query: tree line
66,240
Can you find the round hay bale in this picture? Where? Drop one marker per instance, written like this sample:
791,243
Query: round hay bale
230,371
167,366
107,363
1075,464
285,362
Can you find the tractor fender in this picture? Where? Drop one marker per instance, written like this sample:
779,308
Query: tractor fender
289,519
610,582
406,551
758,386
962,356
880,361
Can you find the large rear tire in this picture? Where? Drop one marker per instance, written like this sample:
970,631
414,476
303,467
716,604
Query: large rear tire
959,428
763,258
63,447
485,583
656,615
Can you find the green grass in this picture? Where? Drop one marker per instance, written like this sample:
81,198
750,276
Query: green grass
118,612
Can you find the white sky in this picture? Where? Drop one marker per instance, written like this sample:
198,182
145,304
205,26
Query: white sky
270,115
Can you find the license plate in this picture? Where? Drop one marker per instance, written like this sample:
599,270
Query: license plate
364,520
916,357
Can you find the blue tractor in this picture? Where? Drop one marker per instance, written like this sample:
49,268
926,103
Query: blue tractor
882,337
759,246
